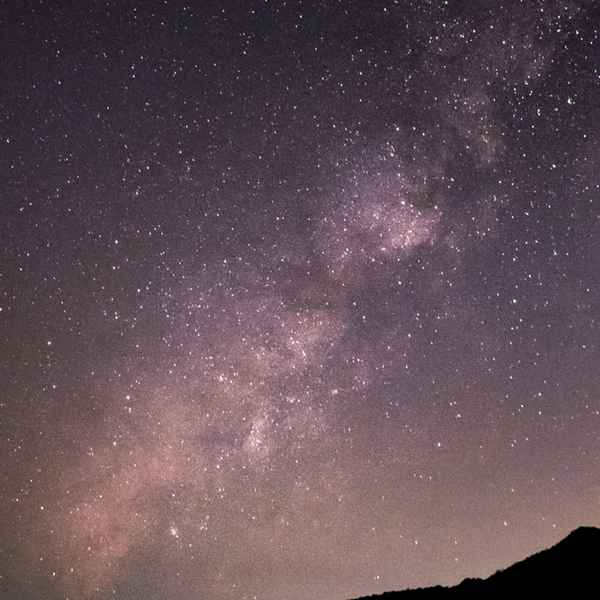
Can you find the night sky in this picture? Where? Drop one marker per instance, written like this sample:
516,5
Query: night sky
298,300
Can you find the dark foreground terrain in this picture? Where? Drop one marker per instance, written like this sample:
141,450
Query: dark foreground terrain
570,569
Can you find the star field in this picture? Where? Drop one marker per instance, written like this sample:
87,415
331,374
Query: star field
297,299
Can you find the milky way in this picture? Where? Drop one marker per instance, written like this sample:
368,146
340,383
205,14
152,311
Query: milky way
297,300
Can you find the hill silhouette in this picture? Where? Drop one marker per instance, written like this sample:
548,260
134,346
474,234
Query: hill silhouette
566,570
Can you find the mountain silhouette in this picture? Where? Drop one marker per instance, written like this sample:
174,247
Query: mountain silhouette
566,570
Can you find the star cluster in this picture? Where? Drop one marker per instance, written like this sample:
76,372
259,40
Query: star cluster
297,300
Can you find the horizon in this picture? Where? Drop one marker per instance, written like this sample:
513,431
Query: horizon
530,574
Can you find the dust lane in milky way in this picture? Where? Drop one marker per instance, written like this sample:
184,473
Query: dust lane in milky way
296,300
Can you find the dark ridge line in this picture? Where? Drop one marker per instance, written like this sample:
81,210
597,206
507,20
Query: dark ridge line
523,574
